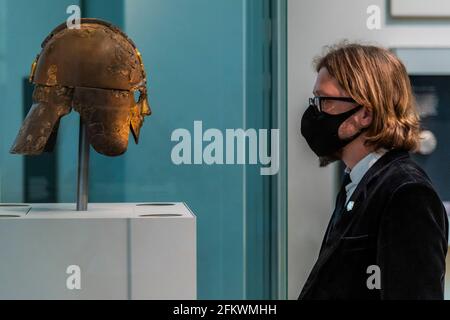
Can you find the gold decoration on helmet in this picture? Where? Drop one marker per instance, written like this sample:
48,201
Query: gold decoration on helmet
33,69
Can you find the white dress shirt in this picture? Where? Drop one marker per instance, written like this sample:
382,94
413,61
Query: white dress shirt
360,169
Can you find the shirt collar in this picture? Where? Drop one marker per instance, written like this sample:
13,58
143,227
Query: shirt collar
361,168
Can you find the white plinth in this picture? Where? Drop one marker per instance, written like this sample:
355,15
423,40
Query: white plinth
124,251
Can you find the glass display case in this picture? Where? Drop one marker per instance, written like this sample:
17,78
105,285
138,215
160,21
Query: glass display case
206,61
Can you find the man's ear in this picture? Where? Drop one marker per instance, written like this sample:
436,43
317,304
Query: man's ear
366,117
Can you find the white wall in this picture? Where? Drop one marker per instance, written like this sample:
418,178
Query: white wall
312,25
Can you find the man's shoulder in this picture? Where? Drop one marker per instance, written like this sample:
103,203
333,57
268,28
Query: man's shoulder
406,171
403,183
403,175
401,171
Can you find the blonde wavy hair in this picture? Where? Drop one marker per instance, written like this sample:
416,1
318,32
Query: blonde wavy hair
376,79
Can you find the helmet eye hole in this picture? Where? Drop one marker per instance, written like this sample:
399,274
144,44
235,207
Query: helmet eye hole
137,96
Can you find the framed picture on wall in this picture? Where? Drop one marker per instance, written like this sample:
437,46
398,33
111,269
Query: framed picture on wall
420,9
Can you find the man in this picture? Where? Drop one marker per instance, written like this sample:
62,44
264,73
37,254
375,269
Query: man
388,235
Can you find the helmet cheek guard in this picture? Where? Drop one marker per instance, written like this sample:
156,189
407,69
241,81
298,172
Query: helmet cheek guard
106,114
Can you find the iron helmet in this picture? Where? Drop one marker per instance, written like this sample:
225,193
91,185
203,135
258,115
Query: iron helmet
95,70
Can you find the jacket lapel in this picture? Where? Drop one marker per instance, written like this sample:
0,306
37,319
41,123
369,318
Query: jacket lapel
351,211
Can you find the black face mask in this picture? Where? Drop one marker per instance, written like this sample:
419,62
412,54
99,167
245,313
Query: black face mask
321,130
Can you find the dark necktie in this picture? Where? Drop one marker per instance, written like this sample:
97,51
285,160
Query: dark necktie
340,204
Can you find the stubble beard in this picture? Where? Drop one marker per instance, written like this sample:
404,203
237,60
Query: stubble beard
327,160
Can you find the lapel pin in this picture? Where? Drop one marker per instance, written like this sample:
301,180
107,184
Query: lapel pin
350,206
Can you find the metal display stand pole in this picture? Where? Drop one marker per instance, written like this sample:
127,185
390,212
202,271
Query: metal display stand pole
83,169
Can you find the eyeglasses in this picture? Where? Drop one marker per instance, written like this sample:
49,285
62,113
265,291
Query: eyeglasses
321,102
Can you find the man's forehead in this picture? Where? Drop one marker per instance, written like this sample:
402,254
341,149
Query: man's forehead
326,84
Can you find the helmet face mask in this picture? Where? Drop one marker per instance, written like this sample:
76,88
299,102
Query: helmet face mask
138,113
95,71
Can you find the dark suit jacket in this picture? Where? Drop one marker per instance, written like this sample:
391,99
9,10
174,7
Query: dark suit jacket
399,224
